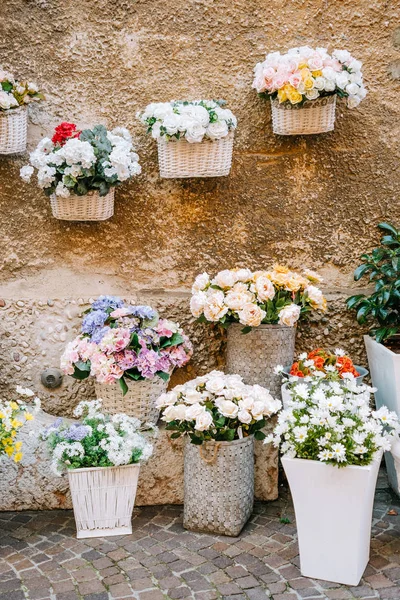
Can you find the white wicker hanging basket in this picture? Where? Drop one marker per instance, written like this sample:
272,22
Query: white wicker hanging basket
314,116
180,159
139,401
91,207
103,499
13,130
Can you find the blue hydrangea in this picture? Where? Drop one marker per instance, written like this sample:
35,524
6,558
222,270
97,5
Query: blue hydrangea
143,312
104,302
93,320
98,334
77,432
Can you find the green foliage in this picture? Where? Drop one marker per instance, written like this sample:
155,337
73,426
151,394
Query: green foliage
381,309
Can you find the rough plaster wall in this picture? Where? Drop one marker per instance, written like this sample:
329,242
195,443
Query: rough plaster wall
307,201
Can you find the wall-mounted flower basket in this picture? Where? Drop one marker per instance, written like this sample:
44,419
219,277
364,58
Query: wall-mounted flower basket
13,130
314,116
195,139
91,207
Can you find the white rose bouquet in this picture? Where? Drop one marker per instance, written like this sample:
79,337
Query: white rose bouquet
306,74
277,296
77,162
190,120
333,423
14,93
217,407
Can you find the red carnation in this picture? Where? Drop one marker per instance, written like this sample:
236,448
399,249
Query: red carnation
64,132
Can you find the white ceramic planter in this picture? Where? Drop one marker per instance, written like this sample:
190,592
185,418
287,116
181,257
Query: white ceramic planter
333,509
103,499
385,374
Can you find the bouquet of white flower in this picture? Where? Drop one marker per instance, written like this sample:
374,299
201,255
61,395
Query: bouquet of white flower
332,422
217,407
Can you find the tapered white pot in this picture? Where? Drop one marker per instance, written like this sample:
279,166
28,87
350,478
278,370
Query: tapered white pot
385,374
103,499
333,509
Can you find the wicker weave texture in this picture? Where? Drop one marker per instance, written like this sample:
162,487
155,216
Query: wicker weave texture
315,116
13,130
91,207
103,499
180,159
139,401
254,355
218,486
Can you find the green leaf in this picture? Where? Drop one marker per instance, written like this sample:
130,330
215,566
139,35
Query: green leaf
164,376
123,385
354,300
230,435
259,435
389,227
83,366
176,435
80,375
174,340
359,272
246,329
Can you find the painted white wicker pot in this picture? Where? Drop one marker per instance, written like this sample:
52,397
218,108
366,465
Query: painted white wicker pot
139,401
254,355
333,509
91,207
218,486
13,130
103,499
314,116
180,159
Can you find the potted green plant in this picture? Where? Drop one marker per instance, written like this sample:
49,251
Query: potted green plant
381,311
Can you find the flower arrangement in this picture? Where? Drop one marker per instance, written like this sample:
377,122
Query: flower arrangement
333,423
14,93
382,307
13,414
278,296
121,341
322,363
78,162
306,74
98,440
190,120
217,407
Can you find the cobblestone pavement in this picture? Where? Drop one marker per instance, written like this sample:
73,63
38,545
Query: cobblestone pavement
40,558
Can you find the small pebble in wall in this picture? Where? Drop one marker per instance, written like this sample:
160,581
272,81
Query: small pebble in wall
303,85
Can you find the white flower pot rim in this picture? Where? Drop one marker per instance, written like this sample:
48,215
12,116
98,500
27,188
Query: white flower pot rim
377,458
384,348
82,469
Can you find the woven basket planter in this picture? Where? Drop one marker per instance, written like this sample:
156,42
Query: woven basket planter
180,159
218,486
13,130
91,207
139,401
103,499
254,355
314,116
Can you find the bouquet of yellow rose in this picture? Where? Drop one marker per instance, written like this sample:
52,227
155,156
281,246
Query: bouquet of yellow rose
13,415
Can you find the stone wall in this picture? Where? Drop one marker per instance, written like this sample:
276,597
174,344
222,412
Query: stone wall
311,201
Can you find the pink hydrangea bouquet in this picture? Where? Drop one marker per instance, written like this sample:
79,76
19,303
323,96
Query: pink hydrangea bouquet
277,296
306,74
119,341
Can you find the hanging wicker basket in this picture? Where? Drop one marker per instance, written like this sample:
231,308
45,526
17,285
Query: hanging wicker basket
139,401
254,355
218,486
103,499
180,159
13,130
314,116
91,207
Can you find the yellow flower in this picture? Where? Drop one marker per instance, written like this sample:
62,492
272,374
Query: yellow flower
15,423
308,83
28,416
1,415
317,73
281,268
303,65
14,405
13,433
282,95
9,450
294,96
18,456
305,73
18,445
7,441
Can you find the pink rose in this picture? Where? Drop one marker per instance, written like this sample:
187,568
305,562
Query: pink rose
295,79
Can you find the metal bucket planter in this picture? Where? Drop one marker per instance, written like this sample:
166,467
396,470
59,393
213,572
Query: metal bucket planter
103,499
13,130
218,486
254,355
139,401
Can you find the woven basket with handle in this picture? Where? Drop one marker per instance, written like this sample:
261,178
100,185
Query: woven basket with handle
91,207
13,130
218,486
314,116
180,159
139,401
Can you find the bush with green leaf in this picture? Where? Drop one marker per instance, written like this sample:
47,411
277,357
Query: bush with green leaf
381,308
217,407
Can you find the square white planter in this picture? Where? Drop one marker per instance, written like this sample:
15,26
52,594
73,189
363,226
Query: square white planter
385,373
333,509
103,499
